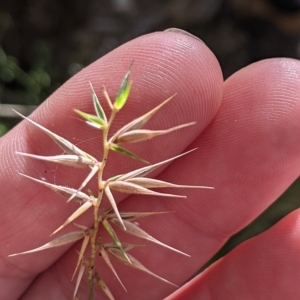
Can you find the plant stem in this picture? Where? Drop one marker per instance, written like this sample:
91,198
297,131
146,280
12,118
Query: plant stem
97,220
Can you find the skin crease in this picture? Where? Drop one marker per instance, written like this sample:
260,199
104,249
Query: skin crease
248,149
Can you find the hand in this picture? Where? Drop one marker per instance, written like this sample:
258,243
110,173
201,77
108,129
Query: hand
248,149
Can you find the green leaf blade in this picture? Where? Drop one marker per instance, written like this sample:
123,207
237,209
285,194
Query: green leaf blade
115,238
97,106
95,120
123,92
122,150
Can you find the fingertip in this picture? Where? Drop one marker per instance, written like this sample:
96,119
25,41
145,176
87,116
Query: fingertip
270,82
164,63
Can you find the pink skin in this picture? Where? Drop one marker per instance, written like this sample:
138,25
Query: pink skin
248,149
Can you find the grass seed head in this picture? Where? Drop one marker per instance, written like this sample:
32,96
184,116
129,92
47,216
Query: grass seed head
133,182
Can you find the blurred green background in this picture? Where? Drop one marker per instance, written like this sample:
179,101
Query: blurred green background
43,43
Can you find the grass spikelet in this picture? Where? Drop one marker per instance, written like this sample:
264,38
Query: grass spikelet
60,241
133,229
135,264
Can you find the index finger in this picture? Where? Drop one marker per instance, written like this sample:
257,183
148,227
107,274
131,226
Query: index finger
162,65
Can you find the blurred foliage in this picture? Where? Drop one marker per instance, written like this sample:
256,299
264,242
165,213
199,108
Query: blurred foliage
44,42
32,84
3,128
16,85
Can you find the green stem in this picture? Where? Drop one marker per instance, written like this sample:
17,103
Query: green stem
91,289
